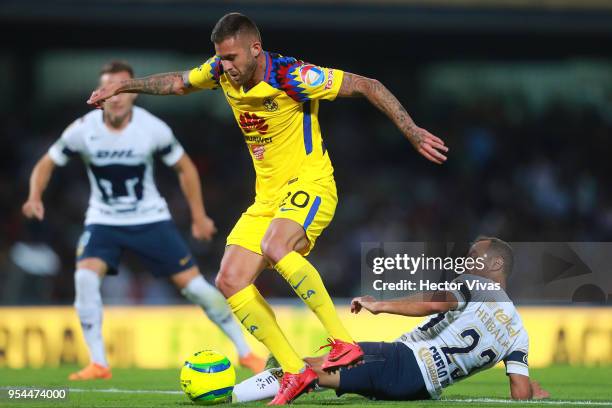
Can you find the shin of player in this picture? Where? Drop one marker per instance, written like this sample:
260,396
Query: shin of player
197,290
88,304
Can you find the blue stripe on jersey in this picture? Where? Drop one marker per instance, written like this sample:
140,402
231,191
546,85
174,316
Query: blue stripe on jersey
68,153
465,292
312,212
164,151
517,356
307,125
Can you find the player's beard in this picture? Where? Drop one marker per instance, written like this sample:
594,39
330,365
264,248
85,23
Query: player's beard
249,73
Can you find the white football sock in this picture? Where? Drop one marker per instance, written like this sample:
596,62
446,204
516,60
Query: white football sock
260,386
216,308
88,303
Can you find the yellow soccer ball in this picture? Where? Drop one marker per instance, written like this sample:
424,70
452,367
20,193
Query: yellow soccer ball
208,378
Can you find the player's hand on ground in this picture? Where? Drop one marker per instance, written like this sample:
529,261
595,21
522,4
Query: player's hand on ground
203,228
538,392
429,146
364,302
34,209
101,94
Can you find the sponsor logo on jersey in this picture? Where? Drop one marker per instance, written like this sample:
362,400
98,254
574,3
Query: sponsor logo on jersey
250,122
330,79
115,154
311,75
434,365
506,322
270,104
258,139
489,321
258,151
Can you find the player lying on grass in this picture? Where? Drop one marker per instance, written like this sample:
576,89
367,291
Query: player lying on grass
126,212
468,331
275,101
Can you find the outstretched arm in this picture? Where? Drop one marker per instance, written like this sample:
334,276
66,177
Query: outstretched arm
202,226
418,306
171,83
428,145
39,179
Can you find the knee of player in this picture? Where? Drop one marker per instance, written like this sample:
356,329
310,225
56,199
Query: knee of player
274,248
87,287
228,282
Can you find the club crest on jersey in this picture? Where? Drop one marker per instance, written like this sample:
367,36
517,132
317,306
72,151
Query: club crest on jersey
270,104
258,151
311,75
250,122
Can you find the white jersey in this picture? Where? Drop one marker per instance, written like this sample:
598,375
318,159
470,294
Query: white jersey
484,330
120,166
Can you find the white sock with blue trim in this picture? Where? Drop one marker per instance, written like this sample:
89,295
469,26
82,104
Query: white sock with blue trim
202,293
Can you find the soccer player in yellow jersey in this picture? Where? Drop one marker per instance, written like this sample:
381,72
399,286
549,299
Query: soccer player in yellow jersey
275,100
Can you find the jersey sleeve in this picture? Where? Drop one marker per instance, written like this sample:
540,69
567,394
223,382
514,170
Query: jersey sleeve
68,145
304,82
462,294
516,360
207,75
169,149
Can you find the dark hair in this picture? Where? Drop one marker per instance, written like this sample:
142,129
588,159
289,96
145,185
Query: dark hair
117,66
502,249
231,25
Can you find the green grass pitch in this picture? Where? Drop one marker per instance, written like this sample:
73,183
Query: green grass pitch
569,386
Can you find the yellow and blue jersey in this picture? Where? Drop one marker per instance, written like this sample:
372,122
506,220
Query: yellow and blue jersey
279,118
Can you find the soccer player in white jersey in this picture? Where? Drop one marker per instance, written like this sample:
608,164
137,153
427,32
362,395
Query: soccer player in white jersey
126,212
469,330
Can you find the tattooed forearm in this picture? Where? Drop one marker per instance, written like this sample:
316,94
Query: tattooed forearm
170,83
358,86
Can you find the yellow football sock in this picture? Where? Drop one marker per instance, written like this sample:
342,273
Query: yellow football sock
307,283
258,318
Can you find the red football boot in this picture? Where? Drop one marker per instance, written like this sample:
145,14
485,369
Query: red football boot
294,385
342,354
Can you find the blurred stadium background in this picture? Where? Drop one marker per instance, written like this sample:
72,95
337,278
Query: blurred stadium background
520,90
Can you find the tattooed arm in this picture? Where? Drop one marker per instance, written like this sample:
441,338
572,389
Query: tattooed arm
424,142
171,83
